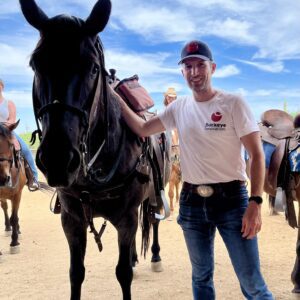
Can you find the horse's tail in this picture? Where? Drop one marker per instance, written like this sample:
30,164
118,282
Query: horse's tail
145,226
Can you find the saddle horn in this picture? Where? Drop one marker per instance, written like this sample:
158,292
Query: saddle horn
33,14
98,17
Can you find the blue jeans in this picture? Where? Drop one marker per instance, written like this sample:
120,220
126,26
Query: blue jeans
199,218
28,156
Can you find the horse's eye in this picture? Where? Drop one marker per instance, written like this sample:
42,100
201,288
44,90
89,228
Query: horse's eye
95,69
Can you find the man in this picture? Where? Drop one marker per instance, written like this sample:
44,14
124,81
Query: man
213,127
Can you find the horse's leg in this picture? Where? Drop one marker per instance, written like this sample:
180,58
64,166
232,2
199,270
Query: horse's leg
295,276
14,221
177,191
171,195
126,238
273,211
4,206
134,256
75,232
156,265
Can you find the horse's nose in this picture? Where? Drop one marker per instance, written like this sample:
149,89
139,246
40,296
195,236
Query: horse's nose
60,167
68,161
5,180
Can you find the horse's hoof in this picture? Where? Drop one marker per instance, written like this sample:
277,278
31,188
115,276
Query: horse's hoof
156,266
296,291
14,249
170,218
274,212
7,233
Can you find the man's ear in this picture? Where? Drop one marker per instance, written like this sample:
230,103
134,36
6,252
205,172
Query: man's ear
213,67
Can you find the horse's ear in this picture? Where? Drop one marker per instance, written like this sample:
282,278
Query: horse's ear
98,18
33,14
13,126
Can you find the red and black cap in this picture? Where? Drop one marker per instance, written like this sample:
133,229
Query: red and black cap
196,49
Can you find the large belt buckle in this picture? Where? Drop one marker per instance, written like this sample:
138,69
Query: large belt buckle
204,190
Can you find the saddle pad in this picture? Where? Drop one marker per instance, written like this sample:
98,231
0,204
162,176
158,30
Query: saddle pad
134,94
294,160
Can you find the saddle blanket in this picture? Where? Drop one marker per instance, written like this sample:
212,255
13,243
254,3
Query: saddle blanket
294,160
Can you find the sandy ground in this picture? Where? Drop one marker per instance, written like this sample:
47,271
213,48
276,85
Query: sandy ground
40,270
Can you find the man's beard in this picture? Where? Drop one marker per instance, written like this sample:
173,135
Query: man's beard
200,86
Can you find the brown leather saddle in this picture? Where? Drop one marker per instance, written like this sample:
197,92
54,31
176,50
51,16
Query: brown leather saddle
278,128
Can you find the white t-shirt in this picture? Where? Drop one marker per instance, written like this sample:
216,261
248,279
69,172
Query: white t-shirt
4,112
209,136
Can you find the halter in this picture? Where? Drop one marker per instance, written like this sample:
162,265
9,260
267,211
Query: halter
12,161
84,118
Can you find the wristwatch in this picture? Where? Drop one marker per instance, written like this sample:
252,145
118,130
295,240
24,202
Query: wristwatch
256,199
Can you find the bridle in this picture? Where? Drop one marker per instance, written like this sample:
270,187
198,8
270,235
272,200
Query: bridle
85,120
12,161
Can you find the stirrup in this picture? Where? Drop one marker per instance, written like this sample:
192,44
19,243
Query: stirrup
166,208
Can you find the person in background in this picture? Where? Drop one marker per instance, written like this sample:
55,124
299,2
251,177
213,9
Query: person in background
175,175
213,128
170,96
8,115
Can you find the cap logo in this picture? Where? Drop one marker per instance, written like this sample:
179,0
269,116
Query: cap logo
216,117
192,47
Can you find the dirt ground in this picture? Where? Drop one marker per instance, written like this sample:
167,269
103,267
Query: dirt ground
40,270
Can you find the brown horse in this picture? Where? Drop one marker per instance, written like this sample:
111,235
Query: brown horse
175,177
12,181
280,133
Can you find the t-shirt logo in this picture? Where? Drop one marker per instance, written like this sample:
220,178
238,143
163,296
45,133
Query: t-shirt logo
216,117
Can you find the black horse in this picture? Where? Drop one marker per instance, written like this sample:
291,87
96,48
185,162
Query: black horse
99,167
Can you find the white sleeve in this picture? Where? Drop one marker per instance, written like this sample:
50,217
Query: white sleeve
167,116
243,118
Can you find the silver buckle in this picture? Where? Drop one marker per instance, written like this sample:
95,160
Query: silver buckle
204,190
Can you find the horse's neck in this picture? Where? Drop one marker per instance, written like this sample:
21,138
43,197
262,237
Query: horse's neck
107,133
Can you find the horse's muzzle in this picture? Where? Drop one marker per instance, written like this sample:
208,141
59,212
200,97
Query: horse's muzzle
59,167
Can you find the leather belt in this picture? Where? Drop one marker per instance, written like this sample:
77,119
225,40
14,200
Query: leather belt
207,190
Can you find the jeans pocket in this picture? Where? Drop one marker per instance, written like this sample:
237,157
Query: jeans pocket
184,197
239,198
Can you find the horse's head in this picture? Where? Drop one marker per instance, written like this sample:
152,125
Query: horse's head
7,153
69,76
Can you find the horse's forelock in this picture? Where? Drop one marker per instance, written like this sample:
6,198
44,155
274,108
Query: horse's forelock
63,25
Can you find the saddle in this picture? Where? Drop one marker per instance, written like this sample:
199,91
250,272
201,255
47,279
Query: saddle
277,128
151,168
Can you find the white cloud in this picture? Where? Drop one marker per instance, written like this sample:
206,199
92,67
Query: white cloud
273,67
272,27
226,71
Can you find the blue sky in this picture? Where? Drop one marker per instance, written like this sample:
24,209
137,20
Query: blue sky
256,45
